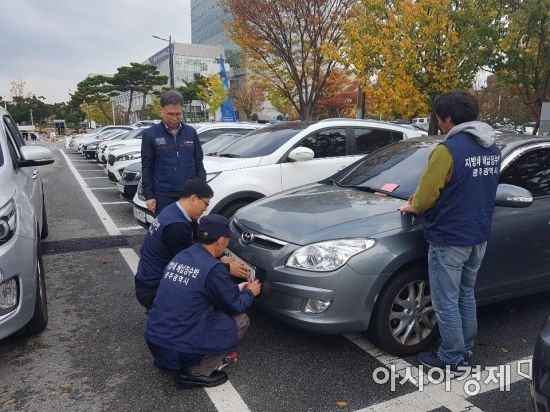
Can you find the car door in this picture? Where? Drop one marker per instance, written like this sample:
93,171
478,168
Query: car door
28,183
518,253
331,153
366,140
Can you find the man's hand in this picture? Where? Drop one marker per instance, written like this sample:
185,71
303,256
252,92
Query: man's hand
255,287
236,268
407,207
151,205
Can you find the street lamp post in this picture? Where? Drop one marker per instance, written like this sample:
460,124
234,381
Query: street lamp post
170,59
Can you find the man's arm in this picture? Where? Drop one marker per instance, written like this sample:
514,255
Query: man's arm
437,174
147,165
224,294
199,166
177,236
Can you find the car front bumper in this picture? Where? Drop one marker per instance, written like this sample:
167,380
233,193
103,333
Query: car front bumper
540,384
285,290
127,190
24,272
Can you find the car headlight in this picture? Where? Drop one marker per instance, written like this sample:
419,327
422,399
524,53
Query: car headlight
8,221
212,176
116,146
329,255
128,156
91,147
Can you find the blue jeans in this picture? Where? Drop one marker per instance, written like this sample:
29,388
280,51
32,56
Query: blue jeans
453,272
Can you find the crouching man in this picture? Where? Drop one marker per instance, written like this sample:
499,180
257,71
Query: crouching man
198,313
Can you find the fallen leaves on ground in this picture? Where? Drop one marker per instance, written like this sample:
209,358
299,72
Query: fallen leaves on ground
341,404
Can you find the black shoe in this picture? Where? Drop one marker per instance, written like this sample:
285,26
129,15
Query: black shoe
188,379
432,361
468,358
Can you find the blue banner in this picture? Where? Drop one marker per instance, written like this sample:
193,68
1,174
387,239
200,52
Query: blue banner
228,112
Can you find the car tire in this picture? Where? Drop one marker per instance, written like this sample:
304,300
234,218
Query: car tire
39,318
45,229
229,210
403,321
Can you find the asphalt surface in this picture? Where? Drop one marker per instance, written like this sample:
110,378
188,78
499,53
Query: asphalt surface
92,356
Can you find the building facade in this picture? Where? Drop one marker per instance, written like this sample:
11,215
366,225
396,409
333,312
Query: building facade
189,59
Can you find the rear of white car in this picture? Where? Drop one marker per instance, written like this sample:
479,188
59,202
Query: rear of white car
23,303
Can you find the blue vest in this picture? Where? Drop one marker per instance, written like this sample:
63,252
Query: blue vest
463,213
183,318
174,157
154,254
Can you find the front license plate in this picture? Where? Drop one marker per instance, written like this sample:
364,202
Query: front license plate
139,215
251,269
120,188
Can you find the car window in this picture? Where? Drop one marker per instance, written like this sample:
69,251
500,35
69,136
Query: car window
14,132
210,134
326,143
399,164
262,142
367,140
14,151
531,171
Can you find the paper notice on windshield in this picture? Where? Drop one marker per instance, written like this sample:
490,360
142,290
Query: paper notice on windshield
389,187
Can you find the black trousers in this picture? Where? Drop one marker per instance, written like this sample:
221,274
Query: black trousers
145,295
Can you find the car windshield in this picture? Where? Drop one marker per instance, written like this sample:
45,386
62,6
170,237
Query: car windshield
131,134
394,169
219,142
262,142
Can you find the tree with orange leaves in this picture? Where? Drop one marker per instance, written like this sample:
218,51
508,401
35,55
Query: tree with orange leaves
283,43
339,96
248,97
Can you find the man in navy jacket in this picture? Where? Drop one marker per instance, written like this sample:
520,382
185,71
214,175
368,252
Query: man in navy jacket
171,153
198,313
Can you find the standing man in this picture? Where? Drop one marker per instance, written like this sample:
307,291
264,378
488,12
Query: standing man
173,230
456,198
170,154
198,314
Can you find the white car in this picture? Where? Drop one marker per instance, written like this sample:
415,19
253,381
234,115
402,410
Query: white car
287,155
208,131
78,140
120,158
132,138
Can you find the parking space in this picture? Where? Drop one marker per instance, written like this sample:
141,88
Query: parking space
93,356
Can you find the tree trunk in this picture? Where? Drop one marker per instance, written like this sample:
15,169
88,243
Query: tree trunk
433,129
129,106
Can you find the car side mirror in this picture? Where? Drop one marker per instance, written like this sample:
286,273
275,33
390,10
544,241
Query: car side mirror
300,154
513,196
35,156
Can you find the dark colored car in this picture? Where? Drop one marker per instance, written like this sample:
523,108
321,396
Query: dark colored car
336,256
129,180
540,383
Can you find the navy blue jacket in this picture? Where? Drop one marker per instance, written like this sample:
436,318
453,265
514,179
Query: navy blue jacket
156,252
463,213
168,161
193,308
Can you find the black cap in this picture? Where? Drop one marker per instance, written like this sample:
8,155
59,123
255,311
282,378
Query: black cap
197,187
215,226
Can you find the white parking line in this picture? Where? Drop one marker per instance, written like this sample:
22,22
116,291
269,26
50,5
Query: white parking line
103,216
103,188
116,203
431,396
91,170
224,397
131,228
94,177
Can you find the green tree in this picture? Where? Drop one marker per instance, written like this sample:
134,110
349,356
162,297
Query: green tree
94,90
136,78
213,93
522,59
189,91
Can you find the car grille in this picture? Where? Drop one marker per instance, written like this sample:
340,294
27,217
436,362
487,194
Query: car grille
111,159
261,241
128,176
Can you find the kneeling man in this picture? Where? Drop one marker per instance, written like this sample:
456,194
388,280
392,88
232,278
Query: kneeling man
198,312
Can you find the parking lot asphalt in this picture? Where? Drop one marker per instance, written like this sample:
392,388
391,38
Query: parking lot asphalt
92,356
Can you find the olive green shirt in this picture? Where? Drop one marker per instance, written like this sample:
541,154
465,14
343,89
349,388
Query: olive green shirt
437,174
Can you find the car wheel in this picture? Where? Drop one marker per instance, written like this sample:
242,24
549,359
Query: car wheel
45,230
232,208
39,319
404,321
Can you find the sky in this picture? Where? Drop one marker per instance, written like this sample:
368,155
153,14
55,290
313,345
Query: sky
53,44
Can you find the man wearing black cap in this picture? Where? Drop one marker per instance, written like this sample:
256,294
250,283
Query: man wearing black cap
198,313
173,230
